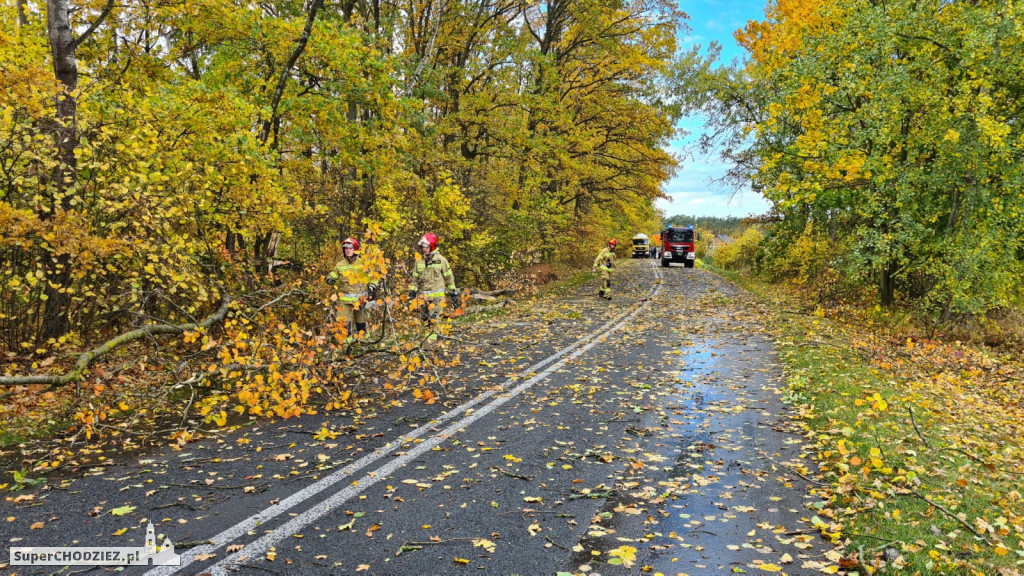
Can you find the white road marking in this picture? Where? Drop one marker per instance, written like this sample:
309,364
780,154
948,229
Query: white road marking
258,548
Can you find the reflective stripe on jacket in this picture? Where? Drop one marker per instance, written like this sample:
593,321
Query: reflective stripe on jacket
352,279
605,259
432,276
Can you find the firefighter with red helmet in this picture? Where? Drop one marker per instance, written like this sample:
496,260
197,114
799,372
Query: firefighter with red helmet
353,286
432,277
605,262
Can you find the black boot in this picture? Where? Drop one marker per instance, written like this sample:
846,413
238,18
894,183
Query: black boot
360,327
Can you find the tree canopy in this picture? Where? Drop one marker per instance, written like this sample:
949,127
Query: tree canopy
156,156
888,132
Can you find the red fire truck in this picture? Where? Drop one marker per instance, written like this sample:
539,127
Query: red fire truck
678,244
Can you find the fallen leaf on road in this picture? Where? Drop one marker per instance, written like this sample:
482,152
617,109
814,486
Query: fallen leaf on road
533,529
203,557
371,530
122,510
625,555
325,434
362,567
235,548
37,526
485,544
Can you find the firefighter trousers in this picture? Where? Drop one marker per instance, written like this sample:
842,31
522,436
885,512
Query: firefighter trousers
606,282
352,314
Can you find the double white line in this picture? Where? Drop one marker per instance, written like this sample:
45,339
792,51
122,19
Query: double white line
259,547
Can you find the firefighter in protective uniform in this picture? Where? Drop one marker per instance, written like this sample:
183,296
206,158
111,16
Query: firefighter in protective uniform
432,278
605,261
353,285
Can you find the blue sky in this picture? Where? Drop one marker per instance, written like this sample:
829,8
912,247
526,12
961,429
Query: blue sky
693,191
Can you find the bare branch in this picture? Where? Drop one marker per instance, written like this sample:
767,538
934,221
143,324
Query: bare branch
92,27
86,359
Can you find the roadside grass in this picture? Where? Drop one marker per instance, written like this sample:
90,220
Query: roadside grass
566,284
918,442
47,416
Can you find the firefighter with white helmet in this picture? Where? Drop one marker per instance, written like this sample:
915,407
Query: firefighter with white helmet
353,286
432,278
605,262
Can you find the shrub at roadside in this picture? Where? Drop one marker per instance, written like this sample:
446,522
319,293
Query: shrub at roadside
740,256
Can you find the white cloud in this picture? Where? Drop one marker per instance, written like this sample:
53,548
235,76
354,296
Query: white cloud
698,189
705,203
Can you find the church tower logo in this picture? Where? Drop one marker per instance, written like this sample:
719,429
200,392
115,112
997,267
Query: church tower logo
162,556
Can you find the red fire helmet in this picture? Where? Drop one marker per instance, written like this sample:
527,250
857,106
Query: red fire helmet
430,239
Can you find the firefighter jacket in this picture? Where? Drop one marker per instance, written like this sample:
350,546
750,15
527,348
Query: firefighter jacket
432,276
605,259
352,279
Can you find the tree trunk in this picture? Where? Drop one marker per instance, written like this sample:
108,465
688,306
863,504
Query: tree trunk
271,126
22,14
63,178
887,284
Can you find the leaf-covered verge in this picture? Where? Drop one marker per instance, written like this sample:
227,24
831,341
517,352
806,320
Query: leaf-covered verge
917,439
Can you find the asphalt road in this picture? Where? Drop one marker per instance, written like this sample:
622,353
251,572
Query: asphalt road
579,435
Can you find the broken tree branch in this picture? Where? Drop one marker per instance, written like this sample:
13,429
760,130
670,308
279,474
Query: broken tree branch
952,516
87,358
